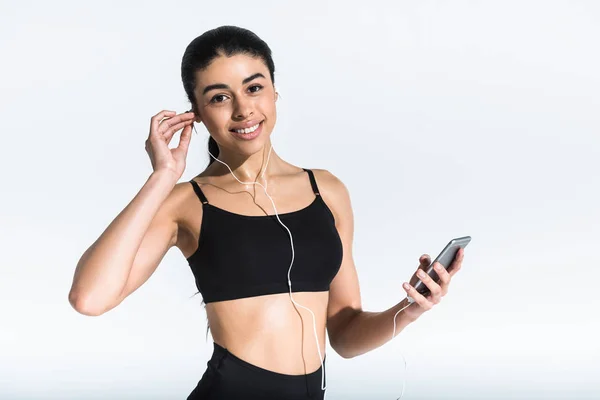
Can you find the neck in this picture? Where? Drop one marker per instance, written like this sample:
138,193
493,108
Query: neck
248,168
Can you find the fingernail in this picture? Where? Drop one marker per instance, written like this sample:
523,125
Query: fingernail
406,286
420,273
437,267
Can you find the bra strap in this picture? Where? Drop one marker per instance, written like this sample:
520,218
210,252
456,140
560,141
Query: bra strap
199,193
313,182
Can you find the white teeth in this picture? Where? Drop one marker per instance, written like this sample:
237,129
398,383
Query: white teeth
248,130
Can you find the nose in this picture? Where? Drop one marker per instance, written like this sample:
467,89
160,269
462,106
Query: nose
243,108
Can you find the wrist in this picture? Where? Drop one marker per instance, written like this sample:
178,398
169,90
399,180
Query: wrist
412,312
165,175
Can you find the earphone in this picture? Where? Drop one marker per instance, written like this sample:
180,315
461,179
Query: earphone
410,300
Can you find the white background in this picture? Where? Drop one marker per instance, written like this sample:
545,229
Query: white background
443,119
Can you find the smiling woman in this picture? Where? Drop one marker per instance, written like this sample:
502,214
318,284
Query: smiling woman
274,266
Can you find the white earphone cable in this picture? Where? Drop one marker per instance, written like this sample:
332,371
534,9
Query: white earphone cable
410,300
293,254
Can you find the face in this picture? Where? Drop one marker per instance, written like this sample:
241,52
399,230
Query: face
236,92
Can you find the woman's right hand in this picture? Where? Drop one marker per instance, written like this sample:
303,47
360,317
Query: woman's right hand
162,128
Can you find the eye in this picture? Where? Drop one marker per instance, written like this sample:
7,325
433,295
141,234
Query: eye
214,99
217,96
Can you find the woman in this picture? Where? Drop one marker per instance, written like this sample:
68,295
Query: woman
269,340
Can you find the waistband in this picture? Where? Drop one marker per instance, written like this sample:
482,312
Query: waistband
220,352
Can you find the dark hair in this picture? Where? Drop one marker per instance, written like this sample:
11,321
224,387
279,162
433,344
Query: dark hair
225,40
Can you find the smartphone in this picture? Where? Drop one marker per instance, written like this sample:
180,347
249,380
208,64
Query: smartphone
446,257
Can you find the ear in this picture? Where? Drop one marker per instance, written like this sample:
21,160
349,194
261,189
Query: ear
197,117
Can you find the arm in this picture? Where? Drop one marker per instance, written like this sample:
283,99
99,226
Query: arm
351,330
129,250
365,331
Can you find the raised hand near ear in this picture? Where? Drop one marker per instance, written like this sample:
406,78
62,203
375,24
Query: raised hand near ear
163,127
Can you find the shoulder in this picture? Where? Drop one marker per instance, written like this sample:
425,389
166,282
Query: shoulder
185,210
329,182
179,200
335,193
181,192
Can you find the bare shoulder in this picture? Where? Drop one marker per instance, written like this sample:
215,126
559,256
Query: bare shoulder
176,208
329,182
187,213
334,193
182,191
176,200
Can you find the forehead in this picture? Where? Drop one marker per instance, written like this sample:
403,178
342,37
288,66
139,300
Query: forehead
230,70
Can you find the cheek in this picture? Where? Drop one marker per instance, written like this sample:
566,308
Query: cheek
217,119
269,109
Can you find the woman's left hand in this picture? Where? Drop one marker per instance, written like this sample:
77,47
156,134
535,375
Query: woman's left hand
437,290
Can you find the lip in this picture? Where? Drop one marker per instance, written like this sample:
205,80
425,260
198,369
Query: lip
249,136
245,125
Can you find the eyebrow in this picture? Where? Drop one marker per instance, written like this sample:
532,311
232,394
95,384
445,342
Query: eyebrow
224,86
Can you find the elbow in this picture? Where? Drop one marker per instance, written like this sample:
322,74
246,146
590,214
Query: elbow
341,351
346,354
86,306
340,332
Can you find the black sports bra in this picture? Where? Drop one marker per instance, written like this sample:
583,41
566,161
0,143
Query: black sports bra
245,256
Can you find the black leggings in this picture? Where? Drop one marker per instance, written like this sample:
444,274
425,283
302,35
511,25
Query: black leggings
230,377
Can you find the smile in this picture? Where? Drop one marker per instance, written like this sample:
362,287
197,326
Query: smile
247,130
248,133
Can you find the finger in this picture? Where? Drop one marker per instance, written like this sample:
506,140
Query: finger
184,140
457,263
424,263
168,135
444,276
197,116
418,297
434,288
155,120
169,122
